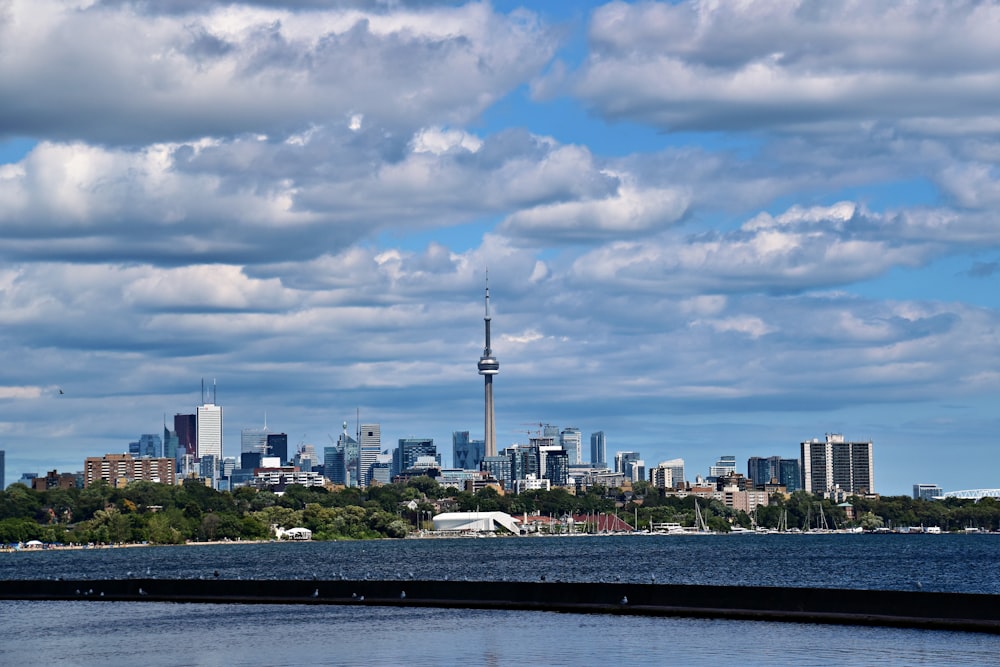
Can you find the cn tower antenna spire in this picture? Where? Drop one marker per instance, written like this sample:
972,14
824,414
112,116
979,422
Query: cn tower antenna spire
488,367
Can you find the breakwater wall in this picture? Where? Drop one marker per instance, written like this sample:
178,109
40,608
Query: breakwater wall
912,609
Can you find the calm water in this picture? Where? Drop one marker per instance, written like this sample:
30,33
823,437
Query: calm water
968,563
81,633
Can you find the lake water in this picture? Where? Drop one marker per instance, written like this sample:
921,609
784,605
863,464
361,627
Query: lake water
82,633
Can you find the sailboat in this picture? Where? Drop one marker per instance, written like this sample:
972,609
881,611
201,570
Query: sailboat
701,528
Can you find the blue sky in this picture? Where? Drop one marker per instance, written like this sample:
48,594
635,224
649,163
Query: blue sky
711,228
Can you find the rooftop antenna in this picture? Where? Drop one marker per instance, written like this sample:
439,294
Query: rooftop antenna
214,397
203,391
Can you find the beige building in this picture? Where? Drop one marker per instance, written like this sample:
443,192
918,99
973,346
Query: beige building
120,469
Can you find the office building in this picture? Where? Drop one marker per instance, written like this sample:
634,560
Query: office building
572,441
254,440
927,491
369,447
836,464
334,466
499,468
306,458
723,467
3,470
381,470
277,445
150,445
631,465
488,367
764,470
598,450
467,454
186,428
409,450
209,430
170,442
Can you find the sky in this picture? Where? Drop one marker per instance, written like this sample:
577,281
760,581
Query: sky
711,228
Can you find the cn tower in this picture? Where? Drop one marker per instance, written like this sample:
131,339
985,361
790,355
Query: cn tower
488,367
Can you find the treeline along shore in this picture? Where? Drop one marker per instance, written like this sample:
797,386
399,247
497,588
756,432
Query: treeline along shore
151,513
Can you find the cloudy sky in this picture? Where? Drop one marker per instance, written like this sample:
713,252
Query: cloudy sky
711,227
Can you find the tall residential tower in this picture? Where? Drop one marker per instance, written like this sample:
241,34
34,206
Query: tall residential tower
488,367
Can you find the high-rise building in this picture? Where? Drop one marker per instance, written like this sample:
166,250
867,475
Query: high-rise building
835,463
210,430
661,476
381,471
150,445
350,447
254,440
488,367
623,459
927,491
370,446
723,467
598,450
277,446
554,462
186,428
764,469
120,469
465,453
409,450
170,442
572,441
3,470
306,458
334,466
676,467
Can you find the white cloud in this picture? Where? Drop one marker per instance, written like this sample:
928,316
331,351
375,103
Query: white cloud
111,74
789,64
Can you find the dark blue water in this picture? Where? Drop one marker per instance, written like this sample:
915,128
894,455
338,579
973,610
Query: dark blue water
966,563
88,633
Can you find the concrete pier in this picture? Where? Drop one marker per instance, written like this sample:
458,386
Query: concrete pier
907,609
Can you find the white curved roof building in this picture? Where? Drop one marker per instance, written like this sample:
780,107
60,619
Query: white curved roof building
476,522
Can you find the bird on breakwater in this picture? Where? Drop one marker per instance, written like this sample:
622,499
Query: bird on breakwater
402,595
143,592
316,593
624,600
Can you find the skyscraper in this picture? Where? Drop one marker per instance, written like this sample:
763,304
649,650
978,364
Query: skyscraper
186,428
572,441
598,450
837,463
762,470
410,449
370,446
488,367
170,442
465,453
277,445
209,423
254,440
724,466
3,470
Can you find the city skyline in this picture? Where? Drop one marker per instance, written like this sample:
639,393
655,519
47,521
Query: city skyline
710,228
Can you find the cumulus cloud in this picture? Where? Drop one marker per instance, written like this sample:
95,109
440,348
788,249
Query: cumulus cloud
790,64
801,249
104,73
